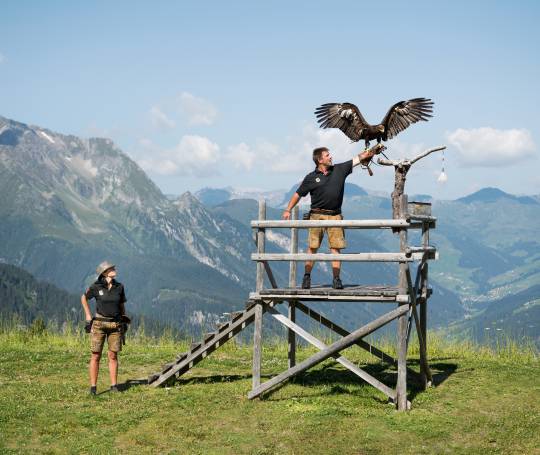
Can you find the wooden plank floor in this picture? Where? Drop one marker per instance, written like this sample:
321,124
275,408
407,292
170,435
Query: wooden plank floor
326,292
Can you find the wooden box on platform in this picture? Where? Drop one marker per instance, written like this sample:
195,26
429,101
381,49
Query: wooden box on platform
419,208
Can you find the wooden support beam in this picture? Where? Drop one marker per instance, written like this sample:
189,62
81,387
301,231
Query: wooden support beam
343,332
424,300
330,297
415,290
257,345
291,336
270,275
342,360
353,257
423,218
260,247
257,331
401,387
423,353
293,250
352,224
338,346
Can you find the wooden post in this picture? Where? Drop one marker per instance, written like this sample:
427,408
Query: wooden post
260,246
293,250
401,388
291,335
424,300
257,329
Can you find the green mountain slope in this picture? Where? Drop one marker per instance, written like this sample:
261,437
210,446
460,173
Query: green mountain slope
515,316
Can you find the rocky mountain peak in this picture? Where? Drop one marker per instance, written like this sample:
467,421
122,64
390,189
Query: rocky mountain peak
88,193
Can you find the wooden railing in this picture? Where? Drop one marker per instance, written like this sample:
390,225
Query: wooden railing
408,220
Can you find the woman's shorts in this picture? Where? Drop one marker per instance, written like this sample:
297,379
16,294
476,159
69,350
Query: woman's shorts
336,235
102,330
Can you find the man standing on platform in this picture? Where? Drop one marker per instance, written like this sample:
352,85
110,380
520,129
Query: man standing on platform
326,185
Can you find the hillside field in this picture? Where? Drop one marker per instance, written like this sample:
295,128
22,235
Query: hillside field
484,401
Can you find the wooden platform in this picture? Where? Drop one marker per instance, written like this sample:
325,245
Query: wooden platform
366,293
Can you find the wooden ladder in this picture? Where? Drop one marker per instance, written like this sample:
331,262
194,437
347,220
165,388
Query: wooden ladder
239,320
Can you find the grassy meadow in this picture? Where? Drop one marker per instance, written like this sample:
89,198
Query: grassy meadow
484,401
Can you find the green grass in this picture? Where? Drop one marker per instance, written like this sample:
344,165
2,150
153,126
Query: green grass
485,401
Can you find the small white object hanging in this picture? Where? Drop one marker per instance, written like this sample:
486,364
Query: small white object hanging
443,178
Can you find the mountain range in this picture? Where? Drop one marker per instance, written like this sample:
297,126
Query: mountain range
68,203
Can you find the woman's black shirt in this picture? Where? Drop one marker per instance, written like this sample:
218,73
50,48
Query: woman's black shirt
108,301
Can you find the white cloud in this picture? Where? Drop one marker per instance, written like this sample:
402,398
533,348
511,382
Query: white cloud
159,119
199,156
194,155
489,147
198,110
2,58
241,156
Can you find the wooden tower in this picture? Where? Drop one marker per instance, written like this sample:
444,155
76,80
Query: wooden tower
409,296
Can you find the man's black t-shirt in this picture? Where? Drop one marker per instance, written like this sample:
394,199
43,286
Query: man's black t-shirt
108,301
326,190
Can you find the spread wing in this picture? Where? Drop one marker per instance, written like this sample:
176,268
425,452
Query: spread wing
344,116
405,113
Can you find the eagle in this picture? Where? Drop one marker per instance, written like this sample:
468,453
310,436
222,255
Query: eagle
348,118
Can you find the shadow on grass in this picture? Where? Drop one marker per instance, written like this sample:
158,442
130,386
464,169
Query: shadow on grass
122,387
340,379
216,378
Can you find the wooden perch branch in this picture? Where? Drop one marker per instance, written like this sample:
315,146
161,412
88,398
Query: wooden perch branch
407,162
401,167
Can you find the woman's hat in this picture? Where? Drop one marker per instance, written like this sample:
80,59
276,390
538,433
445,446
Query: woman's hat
103,267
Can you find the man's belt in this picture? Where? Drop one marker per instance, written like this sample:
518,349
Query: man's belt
326,212
104,319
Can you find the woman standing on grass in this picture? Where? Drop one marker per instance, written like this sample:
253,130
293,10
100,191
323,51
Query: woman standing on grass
108,322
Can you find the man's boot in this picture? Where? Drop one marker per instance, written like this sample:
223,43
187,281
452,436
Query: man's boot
306,281
337,284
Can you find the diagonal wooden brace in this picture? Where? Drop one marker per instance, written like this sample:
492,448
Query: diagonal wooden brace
389,392
418,283
329,351
373,350
343,332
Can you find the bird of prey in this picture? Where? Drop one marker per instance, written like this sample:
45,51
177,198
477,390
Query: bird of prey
347,117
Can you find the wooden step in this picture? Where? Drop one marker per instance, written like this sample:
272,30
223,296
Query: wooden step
181,357
223,326
153,377
250,304
236,315
167,367
204,348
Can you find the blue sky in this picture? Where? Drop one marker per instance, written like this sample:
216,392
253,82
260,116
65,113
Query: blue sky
223,93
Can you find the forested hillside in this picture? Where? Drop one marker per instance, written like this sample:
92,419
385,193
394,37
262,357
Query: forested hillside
22,295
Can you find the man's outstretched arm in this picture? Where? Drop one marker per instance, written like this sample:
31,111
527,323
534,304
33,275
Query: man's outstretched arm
287,212
365,156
